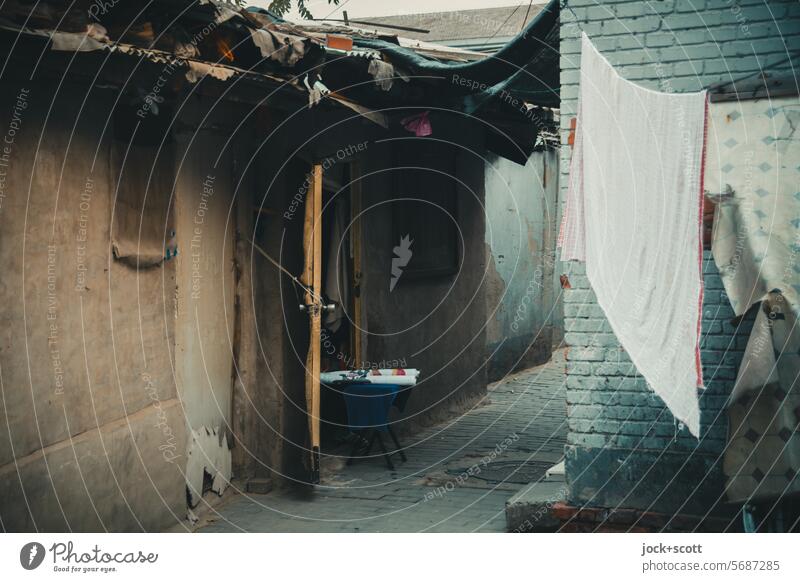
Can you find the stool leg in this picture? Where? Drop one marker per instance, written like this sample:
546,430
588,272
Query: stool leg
371,441
358,442
385,452
396,443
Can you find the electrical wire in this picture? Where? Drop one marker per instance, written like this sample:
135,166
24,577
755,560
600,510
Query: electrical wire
525,20
338,6
285,271
499,28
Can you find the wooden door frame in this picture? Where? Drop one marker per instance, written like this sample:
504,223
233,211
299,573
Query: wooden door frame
356,238
312,279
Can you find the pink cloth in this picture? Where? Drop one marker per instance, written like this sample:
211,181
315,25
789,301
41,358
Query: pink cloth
419,125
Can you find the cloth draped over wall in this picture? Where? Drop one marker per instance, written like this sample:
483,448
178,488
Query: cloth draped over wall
634,215
144,181
752,175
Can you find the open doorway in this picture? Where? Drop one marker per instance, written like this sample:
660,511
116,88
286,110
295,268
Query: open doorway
341,329
316,271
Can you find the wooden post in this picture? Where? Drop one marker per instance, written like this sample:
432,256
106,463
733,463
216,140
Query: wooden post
355,234
312,277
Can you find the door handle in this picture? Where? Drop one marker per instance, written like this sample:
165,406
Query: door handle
314,306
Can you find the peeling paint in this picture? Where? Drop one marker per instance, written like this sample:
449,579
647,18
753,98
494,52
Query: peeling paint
286,50
74,41
198,70
207,452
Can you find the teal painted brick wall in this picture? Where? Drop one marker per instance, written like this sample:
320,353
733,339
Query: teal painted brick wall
624,448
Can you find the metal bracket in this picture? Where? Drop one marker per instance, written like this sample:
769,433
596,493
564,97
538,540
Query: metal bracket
316,308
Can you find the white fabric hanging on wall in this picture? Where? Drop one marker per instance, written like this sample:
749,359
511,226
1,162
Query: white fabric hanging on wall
634,215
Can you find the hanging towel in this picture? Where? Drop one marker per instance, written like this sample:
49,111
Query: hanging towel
634,214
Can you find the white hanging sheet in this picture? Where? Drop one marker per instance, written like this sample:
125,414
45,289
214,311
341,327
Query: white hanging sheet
634,215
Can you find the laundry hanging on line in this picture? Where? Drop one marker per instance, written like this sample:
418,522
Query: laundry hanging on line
634,215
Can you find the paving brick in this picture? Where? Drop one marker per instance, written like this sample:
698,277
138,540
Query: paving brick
364,497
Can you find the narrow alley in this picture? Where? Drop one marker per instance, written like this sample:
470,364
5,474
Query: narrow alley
323,266
509,440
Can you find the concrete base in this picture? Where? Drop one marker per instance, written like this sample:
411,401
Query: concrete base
530,509
663,481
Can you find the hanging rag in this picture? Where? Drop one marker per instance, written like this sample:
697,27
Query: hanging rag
752,159
337,285
634,215
419,124
382,72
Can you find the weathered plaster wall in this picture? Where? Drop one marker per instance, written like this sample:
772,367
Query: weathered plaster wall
269,407
522,303
624,448
205,277
205,221
91,433
436,324
282,330
453,364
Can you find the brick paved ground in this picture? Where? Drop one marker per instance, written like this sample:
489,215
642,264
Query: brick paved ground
524,415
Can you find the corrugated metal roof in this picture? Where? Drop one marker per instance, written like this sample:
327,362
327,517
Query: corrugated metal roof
464,25
377,72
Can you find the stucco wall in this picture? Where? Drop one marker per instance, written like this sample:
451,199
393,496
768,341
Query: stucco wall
436,324
205,222
522,306
624,448
91,432
205,282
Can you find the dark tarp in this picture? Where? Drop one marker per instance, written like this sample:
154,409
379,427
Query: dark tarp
527,67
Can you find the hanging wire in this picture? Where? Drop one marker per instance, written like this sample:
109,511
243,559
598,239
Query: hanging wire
499,28
525,20
285,271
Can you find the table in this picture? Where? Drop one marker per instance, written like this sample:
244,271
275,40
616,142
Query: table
368,407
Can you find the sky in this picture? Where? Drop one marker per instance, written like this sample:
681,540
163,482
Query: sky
360,8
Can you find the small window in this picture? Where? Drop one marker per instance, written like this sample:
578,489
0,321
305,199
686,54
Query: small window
426,207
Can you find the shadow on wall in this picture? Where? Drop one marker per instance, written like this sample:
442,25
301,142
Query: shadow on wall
523,312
